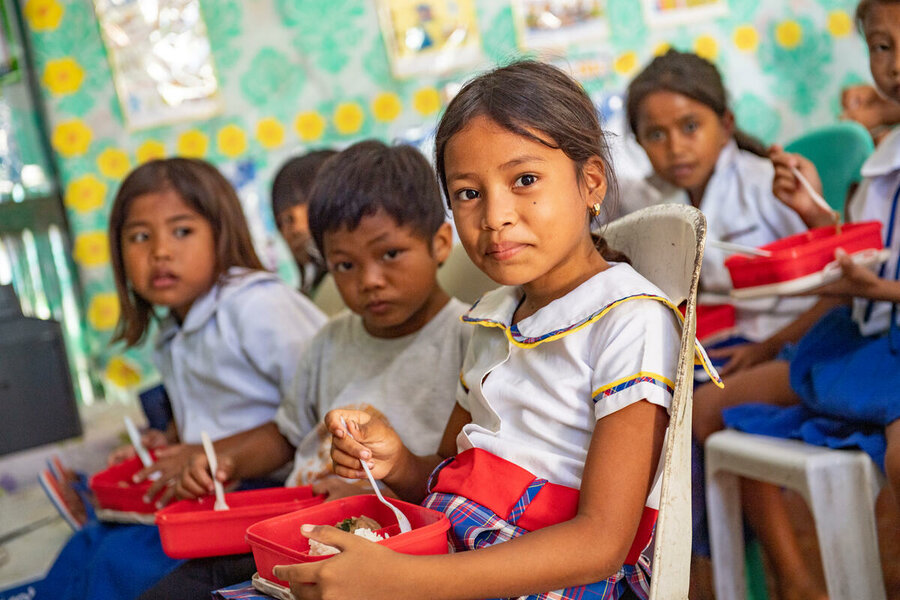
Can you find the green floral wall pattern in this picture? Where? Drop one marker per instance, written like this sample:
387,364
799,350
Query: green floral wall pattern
298,74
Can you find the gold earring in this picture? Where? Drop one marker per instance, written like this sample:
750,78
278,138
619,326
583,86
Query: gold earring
595,210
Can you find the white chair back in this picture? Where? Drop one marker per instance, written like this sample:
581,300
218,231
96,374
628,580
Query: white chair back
665,244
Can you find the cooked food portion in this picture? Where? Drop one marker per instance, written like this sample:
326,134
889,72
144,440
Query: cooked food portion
354,523
362,526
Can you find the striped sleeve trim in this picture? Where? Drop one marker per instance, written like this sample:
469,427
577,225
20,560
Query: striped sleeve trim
626,382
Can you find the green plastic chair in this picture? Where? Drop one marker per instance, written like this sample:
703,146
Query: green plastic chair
838,151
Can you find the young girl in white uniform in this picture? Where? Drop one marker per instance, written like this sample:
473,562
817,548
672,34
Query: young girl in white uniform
566,385
678,111
227,348
838,385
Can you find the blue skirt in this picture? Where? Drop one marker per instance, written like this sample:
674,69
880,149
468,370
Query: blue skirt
817,366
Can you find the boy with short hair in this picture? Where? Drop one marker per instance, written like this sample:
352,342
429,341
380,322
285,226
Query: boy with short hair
290,204
377,217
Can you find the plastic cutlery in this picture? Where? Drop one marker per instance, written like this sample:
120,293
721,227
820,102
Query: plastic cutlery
135,437
738,248
817,197
213,467
401,518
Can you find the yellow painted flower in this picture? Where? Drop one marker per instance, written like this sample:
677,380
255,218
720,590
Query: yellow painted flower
72,138
103,311
232,141
746,38
661,48
192,144
120,372
63,76
789,34
150,150
427,101
707,47
270,133
92,249
85,194
839,23
309,126
43,15
348,118
113,163
626,63
386,106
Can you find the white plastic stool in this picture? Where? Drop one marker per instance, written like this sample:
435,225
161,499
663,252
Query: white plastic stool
840,487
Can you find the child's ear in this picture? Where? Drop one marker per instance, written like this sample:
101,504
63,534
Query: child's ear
593,174
728,123
442,242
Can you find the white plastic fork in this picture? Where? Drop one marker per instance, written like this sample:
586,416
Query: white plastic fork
402,521
213,467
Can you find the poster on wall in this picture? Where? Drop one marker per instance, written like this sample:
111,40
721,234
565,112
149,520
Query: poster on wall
660,13
559,23
429,37
161,60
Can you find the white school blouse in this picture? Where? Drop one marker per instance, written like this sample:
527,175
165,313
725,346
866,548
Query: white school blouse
876,199
536,388
234,357
740,208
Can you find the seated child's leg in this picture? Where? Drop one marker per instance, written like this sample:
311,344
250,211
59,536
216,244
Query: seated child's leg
767,383
197,578
767,513
892,458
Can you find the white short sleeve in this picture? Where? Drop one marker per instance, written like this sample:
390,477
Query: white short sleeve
635,356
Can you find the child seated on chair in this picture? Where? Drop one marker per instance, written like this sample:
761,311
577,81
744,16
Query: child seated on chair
553,446
290,206
678,111
376,215
813,392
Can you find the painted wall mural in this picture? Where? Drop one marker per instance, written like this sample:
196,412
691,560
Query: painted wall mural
301,74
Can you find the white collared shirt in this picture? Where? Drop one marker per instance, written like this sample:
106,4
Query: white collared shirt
536,388
739,207
233,358
874,201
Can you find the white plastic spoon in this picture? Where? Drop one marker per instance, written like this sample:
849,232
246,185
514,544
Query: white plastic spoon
213,467
738,248
817,197
401,518
135,437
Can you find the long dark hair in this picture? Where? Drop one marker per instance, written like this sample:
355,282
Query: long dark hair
689,75
205,190
530,96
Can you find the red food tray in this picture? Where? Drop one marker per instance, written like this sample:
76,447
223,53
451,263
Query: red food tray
802,254
192,529
713,320
278,541
114,489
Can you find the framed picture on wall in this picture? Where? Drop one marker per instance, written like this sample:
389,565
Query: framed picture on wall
660,13
429,37
161,60
559,23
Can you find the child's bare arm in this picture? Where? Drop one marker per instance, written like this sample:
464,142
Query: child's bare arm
858,281
787,188
622,461
388,458
252,453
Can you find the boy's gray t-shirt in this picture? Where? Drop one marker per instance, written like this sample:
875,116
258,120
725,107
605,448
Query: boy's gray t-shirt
410,380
